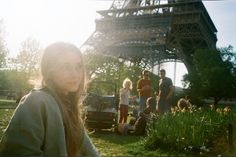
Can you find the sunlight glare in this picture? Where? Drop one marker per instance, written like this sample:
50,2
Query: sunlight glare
50,20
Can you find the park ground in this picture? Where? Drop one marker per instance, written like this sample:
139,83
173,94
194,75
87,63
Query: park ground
108,143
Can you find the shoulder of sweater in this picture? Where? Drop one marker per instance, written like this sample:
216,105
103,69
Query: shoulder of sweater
37,98
38,95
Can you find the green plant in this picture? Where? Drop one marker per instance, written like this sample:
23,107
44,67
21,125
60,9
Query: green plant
193,130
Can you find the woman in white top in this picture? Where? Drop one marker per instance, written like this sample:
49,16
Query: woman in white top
124,100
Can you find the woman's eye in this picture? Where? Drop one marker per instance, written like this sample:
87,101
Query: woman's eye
70,67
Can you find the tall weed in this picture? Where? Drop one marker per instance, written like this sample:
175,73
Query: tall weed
192,130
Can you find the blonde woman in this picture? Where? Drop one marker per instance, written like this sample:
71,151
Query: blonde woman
47,121
124,100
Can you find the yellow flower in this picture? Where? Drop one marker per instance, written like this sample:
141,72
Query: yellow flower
226,109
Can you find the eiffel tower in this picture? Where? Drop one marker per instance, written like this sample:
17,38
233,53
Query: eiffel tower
153,31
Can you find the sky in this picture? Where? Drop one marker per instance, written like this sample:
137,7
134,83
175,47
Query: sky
72,21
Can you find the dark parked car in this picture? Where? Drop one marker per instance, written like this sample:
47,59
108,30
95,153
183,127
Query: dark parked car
101,105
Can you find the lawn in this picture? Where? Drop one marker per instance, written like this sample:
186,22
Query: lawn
6,104
111,144
108,143
5,115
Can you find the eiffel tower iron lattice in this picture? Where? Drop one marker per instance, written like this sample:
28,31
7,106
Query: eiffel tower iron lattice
153,31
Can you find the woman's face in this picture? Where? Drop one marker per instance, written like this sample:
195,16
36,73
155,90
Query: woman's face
68,73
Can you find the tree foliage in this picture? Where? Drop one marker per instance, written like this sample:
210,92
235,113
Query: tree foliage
228,54
108,68
18,71
212,77
15,81
3,54
3,47
28,58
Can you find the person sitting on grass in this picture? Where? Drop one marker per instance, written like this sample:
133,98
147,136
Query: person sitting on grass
135,126
183,103
139,127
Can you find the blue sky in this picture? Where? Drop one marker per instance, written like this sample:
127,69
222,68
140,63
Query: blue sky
223,14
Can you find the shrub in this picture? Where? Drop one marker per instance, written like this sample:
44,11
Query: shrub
191,131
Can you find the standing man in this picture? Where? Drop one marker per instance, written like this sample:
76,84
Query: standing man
144,89
165,93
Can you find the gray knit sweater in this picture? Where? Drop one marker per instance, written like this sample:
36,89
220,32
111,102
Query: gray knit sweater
36,130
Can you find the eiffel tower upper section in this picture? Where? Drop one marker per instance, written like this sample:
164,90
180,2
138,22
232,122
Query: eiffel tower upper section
153,30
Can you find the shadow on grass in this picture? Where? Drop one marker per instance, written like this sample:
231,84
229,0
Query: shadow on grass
112,137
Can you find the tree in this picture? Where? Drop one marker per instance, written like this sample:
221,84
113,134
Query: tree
21,69
15,81
229,57
108,68
3,47
28,58
3,53
212,76
228,54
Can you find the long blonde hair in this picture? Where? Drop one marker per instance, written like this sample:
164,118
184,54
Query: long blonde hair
69,105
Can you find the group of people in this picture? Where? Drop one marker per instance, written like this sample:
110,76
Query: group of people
47,120
160,103
163,94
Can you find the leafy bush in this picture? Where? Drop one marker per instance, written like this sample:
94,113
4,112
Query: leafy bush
191,131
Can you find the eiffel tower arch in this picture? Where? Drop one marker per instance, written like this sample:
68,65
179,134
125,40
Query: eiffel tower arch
153,31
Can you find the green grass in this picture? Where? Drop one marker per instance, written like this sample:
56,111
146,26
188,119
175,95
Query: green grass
7,104
5,115
5,101
111,144
107,143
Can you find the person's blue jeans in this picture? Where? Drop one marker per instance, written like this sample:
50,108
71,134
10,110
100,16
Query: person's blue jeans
142,103
164,106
